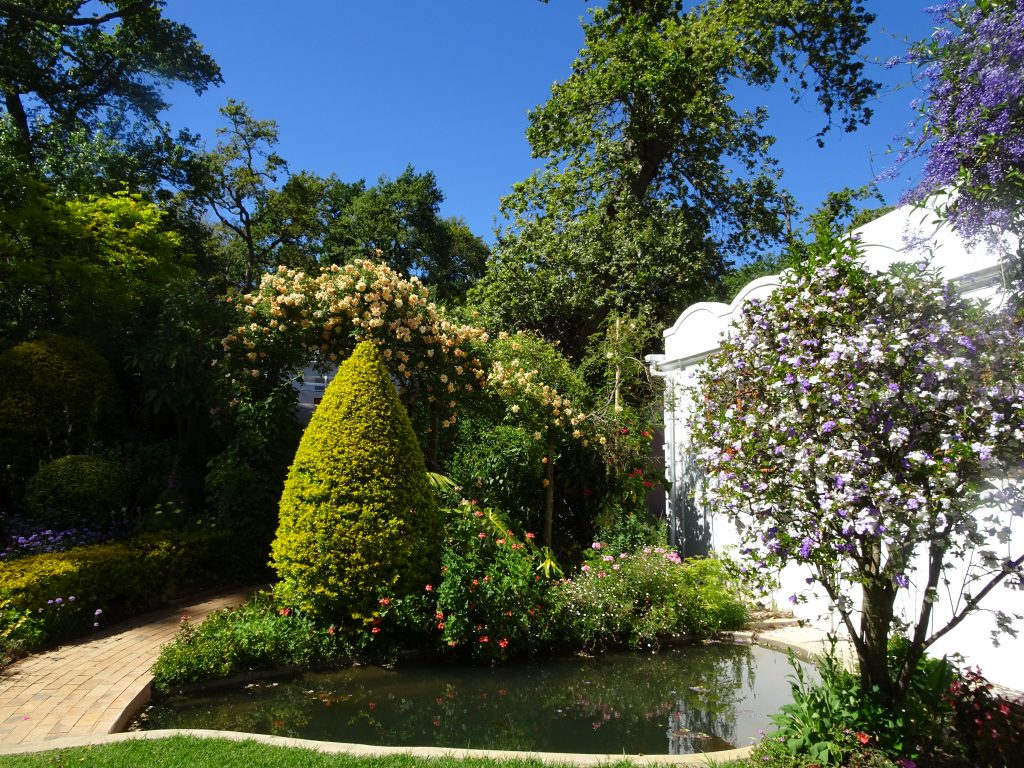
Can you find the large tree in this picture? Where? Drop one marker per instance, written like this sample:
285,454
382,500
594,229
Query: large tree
653,177
76,76
269,216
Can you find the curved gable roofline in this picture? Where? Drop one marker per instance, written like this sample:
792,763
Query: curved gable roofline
718,309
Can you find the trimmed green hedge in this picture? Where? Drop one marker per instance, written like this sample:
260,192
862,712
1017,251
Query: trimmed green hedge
357,518
55,596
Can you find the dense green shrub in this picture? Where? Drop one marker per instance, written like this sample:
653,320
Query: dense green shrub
492,597
638,599
502,467
255,636
56,595
357,519
57,396
75,490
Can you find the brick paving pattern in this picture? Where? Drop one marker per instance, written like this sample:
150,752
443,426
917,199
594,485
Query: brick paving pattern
92,686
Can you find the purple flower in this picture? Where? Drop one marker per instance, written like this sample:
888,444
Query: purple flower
828,426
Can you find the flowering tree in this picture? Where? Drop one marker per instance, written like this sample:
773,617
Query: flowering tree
854,422
972,116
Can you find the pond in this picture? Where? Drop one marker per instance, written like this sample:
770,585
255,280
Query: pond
678,701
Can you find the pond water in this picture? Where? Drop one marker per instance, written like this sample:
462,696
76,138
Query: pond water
680,700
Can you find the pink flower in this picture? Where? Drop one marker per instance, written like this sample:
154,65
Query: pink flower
428,588
503,643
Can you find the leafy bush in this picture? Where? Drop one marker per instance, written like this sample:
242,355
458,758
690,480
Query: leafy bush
989,730
61,592
75,490
357,519
58,397
501,466
255,636
492,597
638,599
832,721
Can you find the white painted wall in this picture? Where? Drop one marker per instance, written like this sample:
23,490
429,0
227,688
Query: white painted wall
905,234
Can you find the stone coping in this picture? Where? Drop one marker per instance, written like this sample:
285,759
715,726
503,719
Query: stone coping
365,750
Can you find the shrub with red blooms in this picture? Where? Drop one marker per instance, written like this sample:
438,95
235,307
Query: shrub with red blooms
989,728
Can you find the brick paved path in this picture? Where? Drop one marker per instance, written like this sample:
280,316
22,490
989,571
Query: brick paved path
92,686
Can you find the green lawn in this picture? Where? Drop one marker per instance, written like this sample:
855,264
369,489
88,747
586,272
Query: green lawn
190,752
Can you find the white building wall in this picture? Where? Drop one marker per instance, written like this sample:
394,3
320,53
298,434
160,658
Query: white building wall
906,234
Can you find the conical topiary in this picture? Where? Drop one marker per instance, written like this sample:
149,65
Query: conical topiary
356,517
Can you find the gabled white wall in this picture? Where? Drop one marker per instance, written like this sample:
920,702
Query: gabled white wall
905,234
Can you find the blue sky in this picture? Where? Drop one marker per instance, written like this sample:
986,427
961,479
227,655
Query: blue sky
362,89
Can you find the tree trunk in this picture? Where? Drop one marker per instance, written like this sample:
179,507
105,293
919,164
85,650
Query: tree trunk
16,110
876,621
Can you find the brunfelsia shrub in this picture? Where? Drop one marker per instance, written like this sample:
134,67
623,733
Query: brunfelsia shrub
357,519
76,490
255,636
640,598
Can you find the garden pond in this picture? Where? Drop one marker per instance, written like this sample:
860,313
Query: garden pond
677,701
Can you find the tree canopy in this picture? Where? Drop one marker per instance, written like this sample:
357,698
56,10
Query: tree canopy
65,72
653,177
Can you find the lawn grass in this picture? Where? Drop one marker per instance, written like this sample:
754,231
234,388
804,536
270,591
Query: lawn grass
192,752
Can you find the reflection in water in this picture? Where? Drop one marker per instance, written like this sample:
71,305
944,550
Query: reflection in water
678,701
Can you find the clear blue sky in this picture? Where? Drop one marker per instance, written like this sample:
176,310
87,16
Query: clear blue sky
362,89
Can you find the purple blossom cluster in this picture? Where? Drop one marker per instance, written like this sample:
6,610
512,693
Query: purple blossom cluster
36,542
972,119
853,420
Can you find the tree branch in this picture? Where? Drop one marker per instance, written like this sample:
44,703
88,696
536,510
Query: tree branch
22,13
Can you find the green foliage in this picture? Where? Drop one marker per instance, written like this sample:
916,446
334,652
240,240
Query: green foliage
76,490
116,578
652,177
491,601
83,262
219,753
78,68
502,467
58,397
244,480
357,518
398,221
642,598
255,636
832,721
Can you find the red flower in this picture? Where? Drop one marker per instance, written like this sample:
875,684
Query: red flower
503,643
862,737
428,588
485,639
648,484
384,601
285,612
375,630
